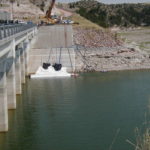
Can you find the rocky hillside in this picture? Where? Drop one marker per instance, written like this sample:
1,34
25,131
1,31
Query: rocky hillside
114,14
24,10
31,9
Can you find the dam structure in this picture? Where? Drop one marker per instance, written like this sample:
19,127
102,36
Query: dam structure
15,41
53,44
23,48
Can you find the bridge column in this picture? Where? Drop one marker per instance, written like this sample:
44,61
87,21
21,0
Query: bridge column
23,79
18,72
11,79
22,58
11,88
3,99
26,54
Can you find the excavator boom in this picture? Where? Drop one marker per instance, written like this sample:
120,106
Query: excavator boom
49,11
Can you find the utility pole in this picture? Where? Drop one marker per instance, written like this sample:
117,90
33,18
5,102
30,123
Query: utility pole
12,9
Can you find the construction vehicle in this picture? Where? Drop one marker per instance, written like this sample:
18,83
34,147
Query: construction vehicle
48,19
49,11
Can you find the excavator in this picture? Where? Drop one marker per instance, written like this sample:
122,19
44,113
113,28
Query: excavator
47,19
49,11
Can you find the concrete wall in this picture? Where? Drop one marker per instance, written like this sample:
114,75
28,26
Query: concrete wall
48,43
38,56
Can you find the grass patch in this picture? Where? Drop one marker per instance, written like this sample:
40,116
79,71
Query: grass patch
84,23
145,45
147,42
4,5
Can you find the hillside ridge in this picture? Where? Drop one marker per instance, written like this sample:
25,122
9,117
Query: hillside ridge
108,15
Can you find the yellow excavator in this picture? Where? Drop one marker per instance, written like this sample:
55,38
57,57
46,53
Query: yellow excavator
48,17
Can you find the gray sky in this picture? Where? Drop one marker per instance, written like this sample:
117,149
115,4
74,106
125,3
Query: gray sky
112,1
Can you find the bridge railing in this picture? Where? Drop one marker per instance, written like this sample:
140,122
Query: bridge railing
9,30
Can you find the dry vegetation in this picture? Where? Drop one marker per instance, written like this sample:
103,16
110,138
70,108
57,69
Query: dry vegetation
114,14
141,36
84,23
142,142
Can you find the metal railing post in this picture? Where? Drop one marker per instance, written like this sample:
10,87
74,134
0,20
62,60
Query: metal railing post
0,33
4,31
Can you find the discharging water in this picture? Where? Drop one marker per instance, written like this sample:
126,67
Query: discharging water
82,113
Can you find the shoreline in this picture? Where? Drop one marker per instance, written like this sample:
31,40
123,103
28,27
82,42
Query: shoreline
94,62
119,70
128,56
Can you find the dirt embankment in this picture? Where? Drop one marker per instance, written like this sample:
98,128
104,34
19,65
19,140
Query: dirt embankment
95,38
102,51
25,10
28,11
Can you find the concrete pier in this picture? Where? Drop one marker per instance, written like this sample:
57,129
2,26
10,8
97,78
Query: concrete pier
3,99
18,73
26,54
23,72
11,79
11,88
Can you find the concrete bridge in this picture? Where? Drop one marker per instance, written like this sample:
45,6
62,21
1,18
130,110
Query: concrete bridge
21,55
15,41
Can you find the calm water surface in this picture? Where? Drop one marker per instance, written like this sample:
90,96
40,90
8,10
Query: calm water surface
79,114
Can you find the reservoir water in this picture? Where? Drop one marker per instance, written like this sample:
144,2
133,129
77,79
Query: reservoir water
85,113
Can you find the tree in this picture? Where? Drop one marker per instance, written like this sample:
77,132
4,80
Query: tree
12,10
0,2
42,6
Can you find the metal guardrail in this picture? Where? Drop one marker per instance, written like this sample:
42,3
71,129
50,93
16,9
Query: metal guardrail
9,30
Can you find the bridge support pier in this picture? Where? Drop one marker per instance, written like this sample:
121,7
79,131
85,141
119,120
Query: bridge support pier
23,79
18,73
3,99
26,54
11,88
11,80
